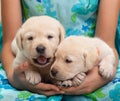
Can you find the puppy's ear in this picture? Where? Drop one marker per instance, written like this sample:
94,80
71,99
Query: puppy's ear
19,38
62,32
90,58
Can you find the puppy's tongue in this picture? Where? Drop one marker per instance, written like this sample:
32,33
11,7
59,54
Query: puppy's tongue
42,60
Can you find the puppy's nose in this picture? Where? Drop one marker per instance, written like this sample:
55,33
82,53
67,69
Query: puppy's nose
54,72
40,49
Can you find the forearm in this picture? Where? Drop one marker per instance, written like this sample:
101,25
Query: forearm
11,18
7,58
107,20
107,23
11,21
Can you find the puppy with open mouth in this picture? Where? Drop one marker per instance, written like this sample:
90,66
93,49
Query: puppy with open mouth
36,42
76,55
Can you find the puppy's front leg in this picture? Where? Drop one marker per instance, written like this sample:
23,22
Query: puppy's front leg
78,79
106,66
32,77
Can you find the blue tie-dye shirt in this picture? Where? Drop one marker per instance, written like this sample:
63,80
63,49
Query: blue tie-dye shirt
77,16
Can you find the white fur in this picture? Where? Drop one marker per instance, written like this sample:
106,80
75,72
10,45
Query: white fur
45,31
78,54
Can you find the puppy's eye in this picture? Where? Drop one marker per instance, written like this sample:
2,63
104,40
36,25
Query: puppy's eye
50,36
68,61
30,38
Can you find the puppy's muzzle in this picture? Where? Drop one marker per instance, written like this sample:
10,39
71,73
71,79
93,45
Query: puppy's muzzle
40,49
41,59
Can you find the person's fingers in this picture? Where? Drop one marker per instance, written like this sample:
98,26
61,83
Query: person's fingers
76,89
21,68
50,92
43,86
46,89
82,89
72,91
18,74
83,85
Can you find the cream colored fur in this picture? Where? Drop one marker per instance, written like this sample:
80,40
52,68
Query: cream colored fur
78,54
37,40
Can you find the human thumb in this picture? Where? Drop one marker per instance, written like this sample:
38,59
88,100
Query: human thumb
22,67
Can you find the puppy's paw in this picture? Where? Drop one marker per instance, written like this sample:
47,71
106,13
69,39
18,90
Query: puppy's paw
32,77
67,83
106,70
78,79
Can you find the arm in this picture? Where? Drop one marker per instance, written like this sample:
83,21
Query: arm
106,30
12,20
107,23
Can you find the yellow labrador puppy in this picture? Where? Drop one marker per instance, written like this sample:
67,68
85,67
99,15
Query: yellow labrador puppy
78,54
36,42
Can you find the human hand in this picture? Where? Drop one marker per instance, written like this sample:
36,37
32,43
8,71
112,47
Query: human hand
92,82
18,80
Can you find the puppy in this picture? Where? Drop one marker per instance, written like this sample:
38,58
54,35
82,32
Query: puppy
76,55
36,42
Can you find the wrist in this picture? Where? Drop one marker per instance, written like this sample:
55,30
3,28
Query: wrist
9,74
12,80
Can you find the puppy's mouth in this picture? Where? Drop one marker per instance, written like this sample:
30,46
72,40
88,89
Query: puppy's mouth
41,60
